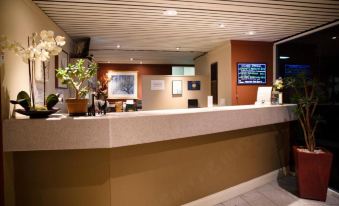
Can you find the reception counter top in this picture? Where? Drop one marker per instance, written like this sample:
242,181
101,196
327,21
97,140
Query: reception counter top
61,132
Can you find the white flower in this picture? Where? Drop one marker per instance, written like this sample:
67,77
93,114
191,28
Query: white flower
55,51
44,55
43,34
40,49
60,40
50,34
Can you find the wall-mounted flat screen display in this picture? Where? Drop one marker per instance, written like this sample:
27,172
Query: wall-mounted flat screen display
295,69
251,73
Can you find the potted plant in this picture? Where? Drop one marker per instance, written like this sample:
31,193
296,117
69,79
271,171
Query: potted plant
41,47
76,76
313,164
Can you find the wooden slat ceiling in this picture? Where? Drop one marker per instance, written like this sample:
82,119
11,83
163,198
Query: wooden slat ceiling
141,29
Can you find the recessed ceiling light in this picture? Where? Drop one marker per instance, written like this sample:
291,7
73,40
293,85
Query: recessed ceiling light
284,57
118,46
221,25
250,33
109,62
140,62
131,59
334,37
170,12
178,48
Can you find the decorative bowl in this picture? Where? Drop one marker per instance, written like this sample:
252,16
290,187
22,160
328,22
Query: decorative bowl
34,114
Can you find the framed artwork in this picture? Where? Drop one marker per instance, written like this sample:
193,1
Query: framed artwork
123,85
176,87
193,85
61,60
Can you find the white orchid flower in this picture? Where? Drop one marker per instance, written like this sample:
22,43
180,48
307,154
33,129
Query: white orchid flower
60,40
40,49
44,56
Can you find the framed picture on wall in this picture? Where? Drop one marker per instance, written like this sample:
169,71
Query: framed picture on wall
193,85
61,60
123,85
176,87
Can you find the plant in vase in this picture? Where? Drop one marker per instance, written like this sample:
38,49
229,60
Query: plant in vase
313,165
75,76
41,47
277,91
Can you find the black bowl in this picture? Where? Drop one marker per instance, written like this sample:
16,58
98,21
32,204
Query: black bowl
33,114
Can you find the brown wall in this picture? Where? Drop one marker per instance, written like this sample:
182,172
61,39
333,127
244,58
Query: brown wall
249,51
157,174
2,201
143,69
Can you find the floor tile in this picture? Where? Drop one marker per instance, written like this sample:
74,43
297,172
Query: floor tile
255,198
279,197
332,199
238,201
282,192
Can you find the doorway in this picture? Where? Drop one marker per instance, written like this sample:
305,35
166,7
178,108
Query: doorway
214,82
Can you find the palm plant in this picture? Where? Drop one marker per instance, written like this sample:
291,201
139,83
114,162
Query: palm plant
307,98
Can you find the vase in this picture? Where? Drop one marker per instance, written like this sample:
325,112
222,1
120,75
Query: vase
77,107
280,98
275,98
313,172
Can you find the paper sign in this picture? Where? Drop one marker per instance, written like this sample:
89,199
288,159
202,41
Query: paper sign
157,84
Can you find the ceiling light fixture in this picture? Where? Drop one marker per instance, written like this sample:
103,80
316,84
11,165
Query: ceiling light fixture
221,25
131,59
334,37
250,33
140,62
178,48
118,46
170,12
284,57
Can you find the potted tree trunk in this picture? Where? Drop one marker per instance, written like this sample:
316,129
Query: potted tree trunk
313,164
76,76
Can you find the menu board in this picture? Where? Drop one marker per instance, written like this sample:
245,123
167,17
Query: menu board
251,73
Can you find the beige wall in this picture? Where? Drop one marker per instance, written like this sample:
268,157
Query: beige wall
18,20
166,173
163,99
221,55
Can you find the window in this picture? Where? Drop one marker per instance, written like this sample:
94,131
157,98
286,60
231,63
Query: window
183,71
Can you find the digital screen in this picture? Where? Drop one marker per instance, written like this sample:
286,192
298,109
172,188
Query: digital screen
295,69
250,73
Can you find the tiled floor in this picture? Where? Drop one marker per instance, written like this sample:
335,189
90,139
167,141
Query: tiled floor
278,193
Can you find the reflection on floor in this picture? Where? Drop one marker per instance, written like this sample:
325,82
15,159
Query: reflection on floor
281,193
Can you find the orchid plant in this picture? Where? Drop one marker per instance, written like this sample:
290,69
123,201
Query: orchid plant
41,47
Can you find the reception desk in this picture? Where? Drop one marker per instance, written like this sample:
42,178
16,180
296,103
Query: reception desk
125,129
160,158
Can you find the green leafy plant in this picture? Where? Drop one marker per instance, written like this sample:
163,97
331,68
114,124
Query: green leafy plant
306,96
76,75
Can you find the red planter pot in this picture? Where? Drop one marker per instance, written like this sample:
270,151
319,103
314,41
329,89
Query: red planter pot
313,173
